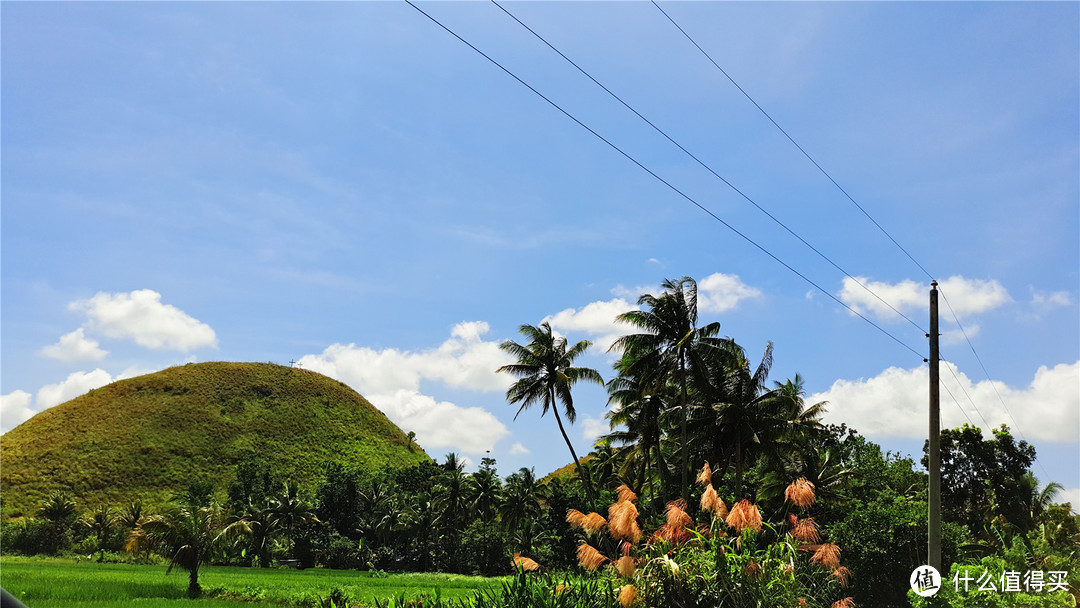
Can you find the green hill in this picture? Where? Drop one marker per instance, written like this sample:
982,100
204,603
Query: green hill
149,436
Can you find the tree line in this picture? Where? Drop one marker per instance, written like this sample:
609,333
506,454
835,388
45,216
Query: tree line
681,397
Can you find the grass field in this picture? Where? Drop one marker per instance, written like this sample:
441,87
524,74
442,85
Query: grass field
57,582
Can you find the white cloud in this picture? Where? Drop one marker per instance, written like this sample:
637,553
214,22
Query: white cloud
75,346
1050,301
633,293
441,424
721,292
717,292
15,409
959,336
76,384
1071,496
1042,303
142,317
390,379
517,448
894,403
965,296
596,319
593,428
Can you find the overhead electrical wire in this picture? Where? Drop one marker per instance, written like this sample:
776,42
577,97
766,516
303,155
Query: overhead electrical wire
857,205
707,167
661,179
952,370
792,140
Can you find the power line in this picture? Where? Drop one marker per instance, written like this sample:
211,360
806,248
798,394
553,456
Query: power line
952,370
792,140
990,380
662,180
958,404
706,166
858,206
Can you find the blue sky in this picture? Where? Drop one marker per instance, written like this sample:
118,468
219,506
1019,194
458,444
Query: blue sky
348,186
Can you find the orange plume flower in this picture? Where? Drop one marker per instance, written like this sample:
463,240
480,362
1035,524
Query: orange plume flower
827,555
800,493
622,521
705,476
744,515
626,494
710,501
805,530
625,565
589,557
525,563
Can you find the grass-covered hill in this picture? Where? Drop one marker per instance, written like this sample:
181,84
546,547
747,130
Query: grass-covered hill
148,437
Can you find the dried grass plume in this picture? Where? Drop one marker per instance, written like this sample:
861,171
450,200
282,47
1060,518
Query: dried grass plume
626,494
589,557
710,501
705,476
526,564
622,521
625,566
827,555
628,595
805,530
744,515
800,493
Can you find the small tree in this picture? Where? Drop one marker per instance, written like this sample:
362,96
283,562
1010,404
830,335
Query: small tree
188,534
101,522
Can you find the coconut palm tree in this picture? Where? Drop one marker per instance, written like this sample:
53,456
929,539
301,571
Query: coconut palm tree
262,528
743,408
546,372
101,522
290,511
671,347
485,493
188,534
521,500
635,419
1034,501
755,422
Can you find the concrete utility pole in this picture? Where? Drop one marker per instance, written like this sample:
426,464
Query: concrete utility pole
934,548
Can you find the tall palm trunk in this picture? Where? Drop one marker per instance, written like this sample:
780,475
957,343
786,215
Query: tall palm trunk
683,431
582,475
738,468
194,590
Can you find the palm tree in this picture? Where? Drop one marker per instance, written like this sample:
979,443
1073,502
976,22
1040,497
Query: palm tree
545,371
130,515
485,493
189,535
752,422
451,496
262,528
1033,501
101,522
743,408
671,346
289,511
521,500
635,419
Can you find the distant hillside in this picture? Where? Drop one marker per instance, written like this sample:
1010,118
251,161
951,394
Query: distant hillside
149,436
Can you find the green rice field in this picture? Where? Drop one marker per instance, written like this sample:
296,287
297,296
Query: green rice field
60,582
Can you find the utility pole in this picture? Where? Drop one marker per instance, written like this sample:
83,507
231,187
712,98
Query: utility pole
934,536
